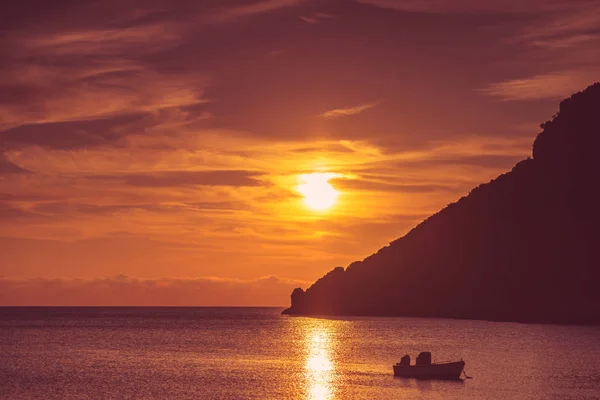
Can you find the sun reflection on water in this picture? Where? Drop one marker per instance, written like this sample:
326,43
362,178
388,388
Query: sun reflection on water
319,366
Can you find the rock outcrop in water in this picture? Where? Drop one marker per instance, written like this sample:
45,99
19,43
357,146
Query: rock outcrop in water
523,247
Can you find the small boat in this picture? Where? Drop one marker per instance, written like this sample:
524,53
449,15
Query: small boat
425,369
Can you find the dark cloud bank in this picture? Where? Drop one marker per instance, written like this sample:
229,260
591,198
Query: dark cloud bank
122,290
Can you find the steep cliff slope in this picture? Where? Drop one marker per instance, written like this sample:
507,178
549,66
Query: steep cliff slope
523,247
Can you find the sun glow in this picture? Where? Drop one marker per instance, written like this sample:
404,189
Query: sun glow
318,193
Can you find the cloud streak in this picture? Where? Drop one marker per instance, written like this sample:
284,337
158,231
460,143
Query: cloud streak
544,86
562,48
8,167
343,112
114,88
106,42
253,8
473,6
185,178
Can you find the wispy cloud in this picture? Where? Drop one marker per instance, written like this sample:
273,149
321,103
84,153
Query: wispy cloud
84,95
185,178
563,46
342,112
544,86
309,20
76,75
581,17
8,167
254,8
472,6
103,41
315,18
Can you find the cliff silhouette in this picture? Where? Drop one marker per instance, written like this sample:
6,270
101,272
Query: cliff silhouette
523,247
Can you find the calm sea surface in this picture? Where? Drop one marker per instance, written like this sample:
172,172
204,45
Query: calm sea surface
256,353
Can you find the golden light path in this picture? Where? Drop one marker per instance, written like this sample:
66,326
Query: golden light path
318,193
319,366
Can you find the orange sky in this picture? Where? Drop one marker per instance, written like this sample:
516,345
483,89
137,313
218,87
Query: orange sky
152,154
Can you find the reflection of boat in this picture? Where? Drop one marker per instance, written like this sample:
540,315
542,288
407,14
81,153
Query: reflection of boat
425,369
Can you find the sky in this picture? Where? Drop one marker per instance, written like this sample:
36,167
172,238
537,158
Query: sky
154,152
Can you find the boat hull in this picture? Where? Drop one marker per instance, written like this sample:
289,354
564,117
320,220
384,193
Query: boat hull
451,370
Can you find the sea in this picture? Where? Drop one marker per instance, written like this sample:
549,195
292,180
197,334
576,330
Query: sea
257,353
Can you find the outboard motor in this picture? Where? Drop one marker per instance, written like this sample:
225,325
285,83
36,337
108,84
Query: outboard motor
424,358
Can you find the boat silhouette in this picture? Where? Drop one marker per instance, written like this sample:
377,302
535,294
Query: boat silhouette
425,369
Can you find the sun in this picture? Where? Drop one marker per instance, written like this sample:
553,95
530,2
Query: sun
318,193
